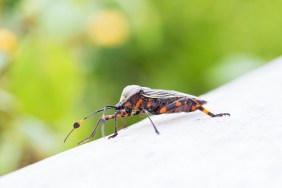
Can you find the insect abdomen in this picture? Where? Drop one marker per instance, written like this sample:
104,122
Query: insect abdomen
173,105
154,105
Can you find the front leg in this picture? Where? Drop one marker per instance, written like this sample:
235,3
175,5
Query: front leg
102,120
117,114
116,132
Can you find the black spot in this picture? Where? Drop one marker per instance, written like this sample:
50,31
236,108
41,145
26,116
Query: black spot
76,125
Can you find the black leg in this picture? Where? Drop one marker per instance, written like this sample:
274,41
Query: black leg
156,130
221,114
92,133
115,133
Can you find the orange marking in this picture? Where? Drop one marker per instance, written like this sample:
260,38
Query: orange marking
138,104
149,104
119,115
123,114
80,122
194,107
178,103
205,111
127,104
163,110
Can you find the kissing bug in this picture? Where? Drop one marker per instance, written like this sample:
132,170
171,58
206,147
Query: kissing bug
136,100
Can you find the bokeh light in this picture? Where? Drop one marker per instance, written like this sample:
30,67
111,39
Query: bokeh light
108,28
8,41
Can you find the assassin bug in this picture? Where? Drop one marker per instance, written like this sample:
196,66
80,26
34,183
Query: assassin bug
136,100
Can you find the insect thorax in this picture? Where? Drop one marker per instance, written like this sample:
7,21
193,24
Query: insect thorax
128,92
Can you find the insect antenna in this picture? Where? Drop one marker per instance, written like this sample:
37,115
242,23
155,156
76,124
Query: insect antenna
100,110
68,135
78,123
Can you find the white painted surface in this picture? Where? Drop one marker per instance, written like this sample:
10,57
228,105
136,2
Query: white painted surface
193,150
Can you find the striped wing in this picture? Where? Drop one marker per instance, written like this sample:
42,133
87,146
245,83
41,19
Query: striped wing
163,94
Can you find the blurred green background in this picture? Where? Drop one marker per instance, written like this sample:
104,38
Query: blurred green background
61,60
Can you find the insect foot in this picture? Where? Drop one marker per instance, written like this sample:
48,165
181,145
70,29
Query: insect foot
112,136
83,141
221,114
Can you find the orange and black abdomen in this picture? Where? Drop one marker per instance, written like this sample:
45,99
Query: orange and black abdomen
154,105
172,105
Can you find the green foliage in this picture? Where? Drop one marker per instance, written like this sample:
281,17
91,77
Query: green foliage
60,60
44,76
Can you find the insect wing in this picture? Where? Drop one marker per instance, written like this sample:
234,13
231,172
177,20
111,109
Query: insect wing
164,94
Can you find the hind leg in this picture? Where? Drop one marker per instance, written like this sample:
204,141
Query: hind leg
204,110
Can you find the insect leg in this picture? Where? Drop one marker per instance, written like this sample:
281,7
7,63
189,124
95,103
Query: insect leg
204,110
117,114
103,129
134,113
91,135
197,106
115,133
156,130
103,119
103,123
123,122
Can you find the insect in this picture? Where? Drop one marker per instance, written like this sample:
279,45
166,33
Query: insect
136,100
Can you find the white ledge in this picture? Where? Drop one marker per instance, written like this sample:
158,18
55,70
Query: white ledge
193,150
